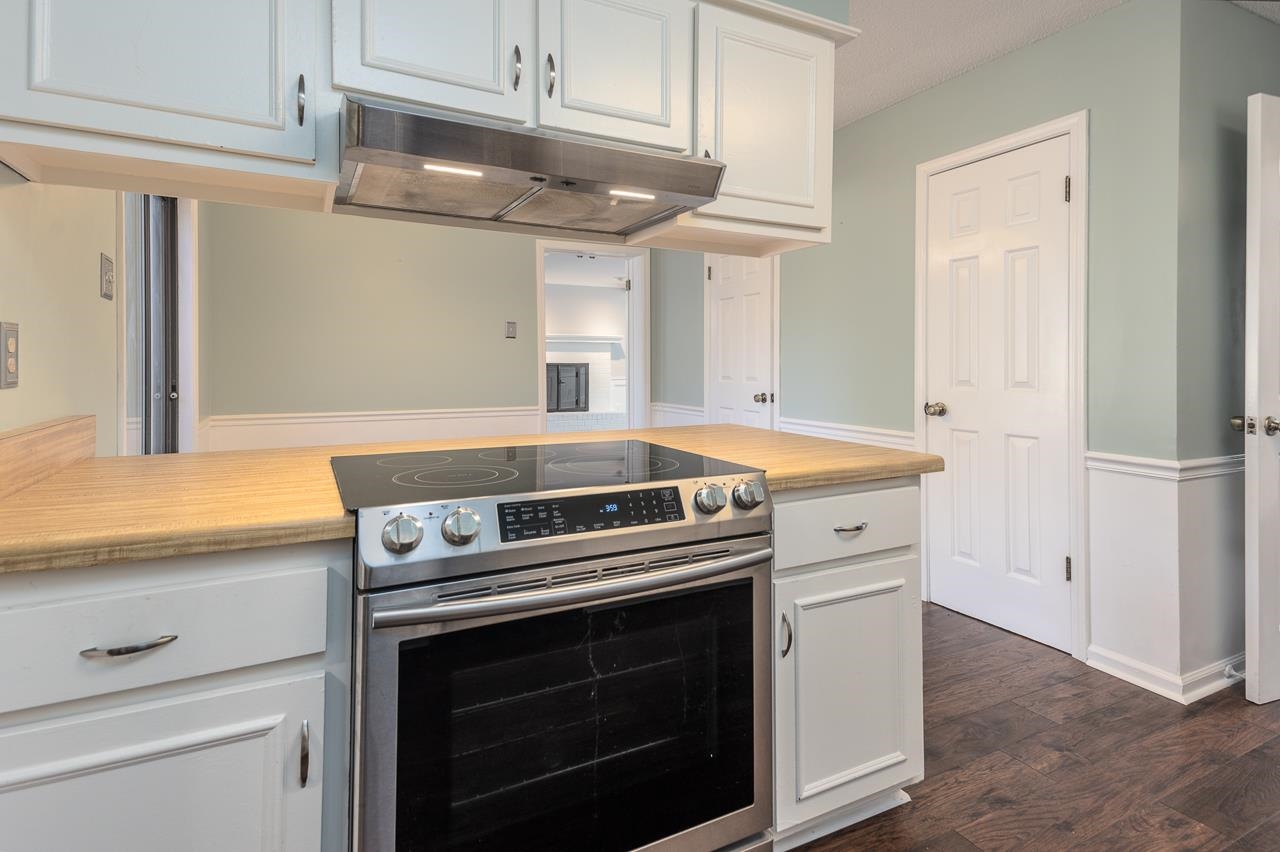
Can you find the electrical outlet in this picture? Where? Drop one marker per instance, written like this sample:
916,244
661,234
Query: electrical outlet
8,355
511,331
106,277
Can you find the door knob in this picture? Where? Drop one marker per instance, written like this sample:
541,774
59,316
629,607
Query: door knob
935,409
1271,425
1237,422
760,397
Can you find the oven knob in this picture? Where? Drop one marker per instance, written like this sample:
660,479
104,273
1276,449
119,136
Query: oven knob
461,526
748,494
402,533
709,499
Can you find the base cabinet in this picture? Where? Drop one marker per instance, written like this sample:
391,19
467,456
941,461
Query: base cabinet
206,773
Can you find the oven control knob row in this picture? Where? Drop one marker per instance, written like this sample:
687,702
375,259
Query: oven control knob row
709,499
748,494
461,526
402,533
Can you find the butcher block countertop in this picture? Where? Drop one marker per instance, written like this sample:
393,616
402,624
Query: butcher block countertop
100,510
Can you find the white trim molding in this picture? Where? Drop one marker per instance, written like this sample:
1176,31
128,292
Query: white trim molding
873,435
263,431
671,414
1185,689
1076,128
1178,471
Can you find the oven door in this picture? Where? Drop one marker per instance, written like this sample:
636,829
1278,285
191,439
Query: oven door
612,704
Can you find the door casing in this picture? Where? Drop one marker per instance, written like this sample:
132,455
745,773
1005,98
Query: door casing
710,342
1076,127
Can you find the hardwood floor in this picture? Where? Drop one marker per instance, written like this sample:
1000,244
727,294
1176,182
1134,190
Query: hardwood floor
1028,748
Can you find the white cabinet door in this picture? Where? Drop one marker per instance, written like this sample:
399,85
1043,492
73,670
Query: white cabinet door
475,56
212,772
765,107
848,702
621,69
220,75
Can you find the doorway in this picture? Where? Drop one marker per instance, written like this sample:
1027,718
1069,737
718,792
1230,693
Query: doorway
1000,381
594,333
740,316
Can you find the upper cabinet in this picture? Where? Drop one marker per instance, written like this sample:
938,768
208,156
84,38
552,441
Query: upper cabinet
765,107
474,56
231,75
619,69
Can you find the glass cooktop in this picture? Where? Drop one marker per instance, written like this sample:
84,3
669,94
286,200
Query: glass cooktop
393,479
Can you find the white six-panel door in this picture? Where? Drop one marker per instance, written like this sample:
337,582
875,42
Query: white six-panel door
476,56
623,69
1262,401
997,343
739,320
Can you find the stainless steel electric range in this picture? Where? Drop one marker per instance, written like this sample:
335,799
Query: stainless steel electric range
560,647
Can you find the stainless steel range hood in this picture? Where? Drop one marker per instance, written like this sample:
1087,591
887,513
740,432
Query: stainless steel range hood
402,164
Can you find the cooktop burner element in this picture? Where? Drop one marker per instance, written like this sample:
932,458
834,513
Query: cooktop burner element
464,474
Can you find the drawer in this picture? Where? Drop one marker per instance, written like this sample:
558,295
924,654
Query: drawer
220,625
805,530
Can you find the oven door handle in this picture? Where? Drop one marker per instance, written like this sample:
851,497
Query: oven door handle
525,601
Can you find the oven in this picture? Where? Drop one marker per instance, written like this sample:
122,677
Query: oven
611,703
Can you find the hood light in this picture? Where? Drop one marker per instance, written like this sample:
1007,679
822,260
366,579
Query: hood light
452,170
622,193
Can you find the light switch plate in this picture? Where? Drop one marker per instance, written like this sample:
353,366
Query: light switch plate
511,331
8,355
106,277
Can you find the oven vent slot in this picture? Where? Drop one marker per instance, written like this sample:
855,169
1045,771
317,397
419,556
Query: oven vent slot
575,578
670,562
521,585
465,594
623,570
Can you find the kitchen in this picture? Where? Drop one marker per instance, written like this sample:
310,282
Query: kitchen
384,341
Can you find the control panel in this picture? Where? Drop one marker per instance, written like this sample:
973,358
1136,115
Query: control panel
588,513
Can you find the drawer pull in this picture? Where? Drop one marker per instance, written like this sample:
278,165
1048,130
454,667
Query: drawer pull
856,528
791,636
304,760
128,650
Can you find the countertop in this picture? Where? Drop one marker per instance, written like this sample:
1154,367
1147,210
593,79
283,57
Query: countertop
102,510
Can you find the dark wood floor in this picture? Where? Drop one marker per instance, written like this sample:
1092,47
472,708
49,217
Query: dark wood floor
1027,748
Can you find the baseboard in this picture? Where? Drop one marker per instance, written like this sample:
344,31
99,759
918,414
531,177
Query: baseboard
874,435
1185,689
671,414
843,818
1165,468
262,431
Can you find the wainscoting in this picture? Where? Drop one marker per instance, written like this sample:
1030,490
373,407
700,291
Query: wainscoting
261,431
872,435
670,414
1166,572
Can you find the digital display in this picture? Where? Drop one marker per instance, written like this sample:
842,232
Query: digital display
590,513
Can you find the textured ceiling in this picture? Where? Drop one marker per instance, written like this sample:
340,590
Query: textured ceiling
907,46
1268,9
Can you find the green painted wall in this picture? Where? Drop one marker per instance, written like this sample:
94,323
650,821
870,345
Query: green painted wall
835,10
675,322
1227,55
310,312
848,308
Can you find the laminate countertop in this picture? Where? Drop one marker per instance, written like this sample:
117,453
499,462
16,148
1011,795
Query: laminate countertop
102,510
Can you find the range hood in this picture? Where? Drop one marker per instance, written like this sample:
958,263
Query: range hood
403,164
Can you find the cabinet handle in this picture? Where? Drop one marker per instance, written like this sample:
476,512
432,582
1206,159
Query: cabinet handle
302,99
128,650
519,67
551,74
786,623
304,762
855,528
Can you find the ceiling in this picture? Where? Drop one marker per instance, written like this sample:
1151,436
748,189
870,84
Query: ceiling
907,46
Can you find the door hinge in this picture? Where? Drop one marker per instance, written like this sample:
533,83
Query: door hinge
708,273
1067,188
628,287
1068,569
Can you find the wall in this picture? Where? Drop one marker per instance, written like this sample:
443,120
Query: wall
50,238
310,312
675,304
1211,208
836,10
849,306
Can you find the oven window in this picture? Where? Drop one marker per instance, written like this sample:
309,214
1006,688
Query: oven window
594,729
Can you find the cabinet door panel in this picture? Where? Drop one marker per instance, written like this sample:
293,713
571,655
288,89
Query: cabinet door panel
218,75
624,69
456,54
765,106
849,701
213,772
